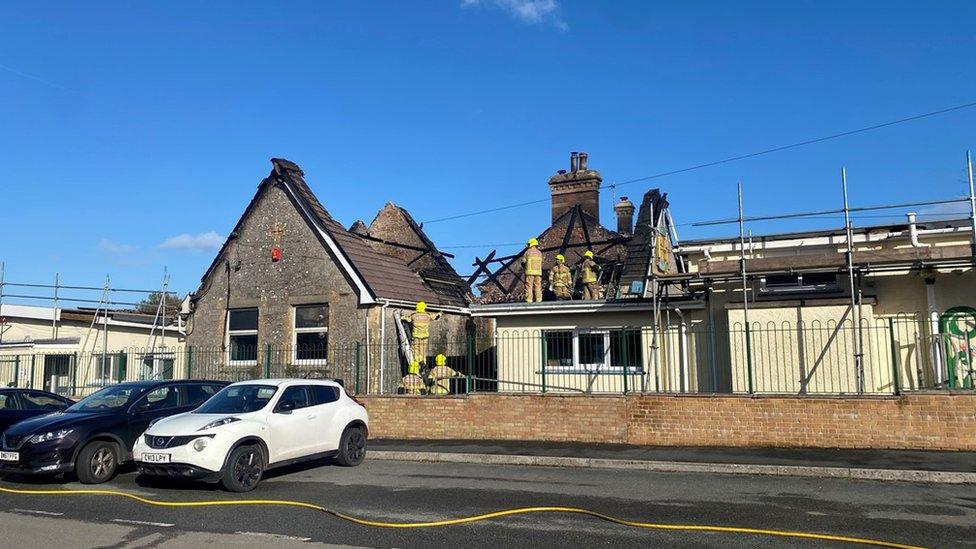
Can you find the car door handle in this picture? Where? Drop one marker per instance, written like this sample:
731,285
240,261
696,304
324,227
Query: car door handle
310,416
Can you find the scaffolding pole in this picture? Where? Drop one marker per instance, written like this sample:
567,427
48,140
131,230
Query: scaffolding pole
972,203
855,305
745,290
2,272
54,315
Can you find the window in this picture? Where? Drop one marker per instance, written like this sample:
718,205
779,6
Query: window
7,401
324,394
159,399
800,283
594,351
57,373
156,366
242,336
198,394
40,401
238,399
559,348
311,336
104,368
626,349
296,396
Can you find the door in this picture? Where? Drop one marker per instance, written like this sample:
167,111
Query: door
292,425
325,402
57,371
161,402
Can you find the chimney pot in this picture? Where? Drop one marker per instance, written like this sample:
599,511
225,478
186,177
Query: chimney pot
575,188
582,160
573,161
625,216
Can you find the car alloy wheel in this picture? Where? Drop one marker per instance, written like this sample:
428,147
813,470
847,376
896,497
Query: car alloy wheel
103,463
356,446
247,469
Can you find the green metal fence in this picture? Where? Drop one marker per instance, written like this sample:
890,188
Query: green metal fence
884,356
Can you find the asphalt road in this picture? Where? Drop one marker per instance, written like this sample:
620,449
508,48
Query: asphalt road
927,515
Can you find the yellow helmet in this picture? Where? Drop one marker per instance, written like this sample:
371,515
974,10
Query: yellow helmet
440,360
560,258
421,306
533,242
414,368
588,254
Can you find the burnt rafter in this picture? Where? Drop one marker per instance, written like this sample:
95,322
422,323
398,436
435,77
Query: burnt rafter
569,229
406,246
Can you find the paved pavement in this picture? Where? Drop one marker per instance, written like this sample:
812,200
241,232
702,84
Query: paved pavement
921,514
801,457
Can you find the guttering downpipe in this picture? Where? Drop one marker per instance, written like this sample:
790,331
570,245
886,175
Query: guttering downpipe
382,342
913,231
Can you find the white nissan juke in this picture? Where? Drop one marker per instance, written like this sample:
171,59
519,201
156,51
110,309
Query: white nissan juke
252,426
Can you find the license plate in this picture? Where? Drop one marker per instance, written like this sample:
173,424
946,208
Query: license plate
9,456
155,458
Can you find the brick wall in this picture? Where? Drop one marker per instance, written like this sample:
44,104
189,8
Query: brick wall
944,422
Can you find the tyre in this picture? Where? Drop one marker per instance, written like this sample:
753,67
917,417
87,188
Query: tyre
352,447
244,469
97,462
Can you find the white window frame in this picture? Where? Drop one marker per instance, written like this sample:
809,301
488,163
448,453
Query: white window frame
314,330
157,363
596,368
230,333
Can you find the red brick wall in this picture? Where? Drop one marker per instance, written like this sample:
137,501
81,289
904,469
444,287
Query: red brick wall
946,422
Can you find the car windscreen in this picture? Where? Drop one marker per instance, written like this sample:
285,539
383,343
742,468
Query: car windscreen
238,399
110,398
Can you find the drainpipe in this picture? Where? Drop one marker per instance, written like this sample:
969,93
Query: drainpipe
368,353
382,342
683,350
934,330
913,231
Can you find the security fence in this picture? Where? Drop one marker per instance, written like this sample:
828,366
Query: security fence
881,356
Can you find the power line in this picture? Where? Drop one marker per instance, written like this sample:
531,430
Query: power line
728,160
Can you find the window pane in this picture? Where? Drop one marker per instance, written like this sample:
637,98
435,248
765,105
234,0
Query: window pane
323,394
591,349
312,316
559,348
162,398
7,401
243,347
40,401
296,395
198,394
312,346
625,348
244,319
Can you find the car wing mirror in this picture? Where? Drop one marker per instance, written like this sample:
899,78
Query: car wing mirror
285,408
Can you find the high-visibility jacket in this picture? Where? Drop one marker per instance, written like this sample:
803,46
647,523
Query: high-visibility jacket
560,276
413,384
420,324
532,262
589,271
441,376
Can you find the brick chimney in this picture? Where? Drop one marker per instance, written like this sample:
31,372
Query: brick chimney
625,216
580,185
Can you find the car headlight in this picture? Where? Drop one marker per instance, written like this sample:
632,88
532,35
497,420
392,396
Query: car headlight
218,423
200,444
51,435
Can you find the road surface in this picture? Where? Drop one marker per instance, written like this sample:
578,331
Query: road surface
926,515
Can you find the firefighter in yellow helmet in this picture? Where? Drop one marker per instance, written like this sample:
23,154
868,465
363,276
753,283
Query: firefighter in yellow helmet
420,331
412,383
591,289
532,269
560,279
441,375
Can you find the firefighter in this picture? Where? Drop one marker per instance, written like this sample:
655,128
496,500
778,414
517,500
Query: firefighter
532,268
441,375
412,383
420,331
591,289
560,279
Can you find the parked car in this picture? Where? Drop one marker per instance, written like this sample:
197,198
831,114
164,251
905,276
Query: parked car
20,404
252,426
95,435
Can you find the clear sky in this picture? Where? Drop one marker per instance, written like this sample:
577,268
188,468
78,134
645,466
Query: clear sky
133,134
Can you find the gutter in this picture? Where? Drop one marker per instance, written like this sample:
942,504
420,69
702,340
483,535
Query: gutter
412,304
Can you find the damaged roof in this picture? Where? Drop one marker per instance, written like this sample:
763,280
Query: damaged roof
385,276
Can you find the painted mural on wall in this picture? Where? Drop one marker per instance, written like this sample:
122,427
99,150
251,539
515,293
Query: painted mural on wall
958,326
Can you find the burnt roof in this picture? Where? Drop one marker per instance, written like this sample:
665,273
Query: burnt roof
385,276
640,249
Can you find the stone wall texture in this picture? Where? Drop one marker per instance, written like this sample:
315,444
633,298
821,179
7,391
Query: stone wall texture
916,422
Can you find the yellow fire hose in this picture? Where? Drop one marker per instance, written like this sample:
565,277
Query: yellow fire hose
468,519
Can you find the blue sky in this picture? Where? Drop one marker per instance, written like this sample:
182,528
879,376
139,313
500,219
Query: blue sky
134,133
